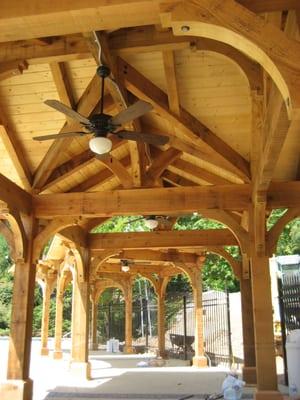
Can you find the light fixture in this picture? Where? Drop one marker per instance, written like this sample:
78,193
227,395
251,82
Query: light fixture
151,222
100,145
125,268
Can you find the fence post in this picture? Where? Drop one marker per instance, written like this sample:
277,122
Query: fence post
229,329
184,327
283,328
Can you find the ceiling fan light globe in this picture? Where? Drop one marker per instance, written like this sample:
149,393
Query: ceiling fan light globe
100,145
151,223
125,268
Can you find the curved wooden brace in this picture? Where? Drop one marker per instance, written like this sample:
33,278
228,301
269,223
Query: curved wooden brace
155,283
235,265
56,225
8,235
191,272
106,283
101,259
227,22
274,233
227,219
19,234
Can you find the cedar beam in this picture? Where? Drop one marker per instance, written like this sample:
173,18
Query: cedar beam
165,201
161,239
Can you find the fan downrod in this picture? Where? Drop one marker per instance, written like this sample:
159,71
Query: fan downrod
103,71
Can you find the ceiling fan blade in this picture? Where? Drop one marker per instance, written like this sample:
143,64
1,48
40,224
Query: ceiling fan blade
134,111
143,137
57,105
60,136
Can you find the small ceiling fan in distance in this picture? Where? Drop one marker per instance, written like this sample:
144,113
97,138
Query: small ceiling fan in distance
100,125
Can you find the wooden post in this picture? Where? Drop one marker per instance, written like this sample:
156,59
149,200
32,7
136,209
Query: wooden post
249,369
80,317
18,385
263,329
195,275
128,317
47,288
57,354
161,324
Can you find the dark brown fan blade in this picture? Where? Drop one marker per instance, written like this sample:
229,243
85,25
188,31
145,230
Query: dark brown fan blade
60,135
143,137
57,105
132,112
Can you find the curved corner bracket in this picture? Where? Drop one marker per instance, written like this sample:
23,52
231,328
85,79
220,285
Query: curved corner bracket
229,22
19,235
235,265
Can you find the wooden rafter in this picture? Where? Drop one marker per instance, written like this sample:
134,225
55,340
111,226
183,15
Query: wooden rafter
176,180
62,83
99,178
191,128
85,106
117,168
119,94
160,163
161,239
170,74
15,152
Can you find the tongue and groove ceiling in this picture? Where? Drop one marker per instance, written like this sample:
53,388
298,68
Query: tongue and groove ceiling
206,81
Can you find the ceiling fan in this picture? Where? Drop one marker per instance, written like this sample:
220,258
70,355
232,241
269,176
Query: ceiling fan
101,125
151,221
127,263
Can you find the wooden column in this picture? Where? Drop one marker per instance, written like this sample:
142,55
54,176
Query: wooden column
94,320
161,316
199,359
263,329
57,354
128,316
80,317
249,369
47,290
18,385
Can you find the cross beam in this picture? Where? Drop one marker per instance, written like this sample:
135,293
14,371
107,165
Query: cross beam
161,200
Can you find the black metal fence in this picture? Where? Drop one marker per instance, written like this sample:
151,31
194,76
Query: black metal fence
180,326
289,305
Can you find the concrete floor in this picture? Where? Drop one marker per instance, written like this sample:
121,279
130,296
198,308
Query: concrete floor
116,376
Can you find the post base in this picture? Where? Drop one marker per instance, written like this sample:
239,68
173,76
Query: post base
249,375
57,355
16,389
80,370
44,351
199,361
268,395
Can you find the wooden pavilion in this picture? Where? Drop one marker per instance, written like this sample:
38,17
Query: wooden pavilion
223,77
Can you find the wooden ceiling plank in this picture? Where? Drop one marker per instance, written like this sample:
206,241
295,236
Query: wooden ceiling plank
170,75
15,151
85,106
117,168
15,197
161,239
193,129
58,49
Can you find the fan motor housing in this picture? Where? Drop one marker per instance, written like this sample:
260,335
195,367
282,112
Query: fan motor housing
101,124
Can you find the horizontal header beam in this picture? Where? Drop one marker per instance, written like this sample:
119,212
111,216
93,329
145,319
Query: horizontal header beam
162,239
157,201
